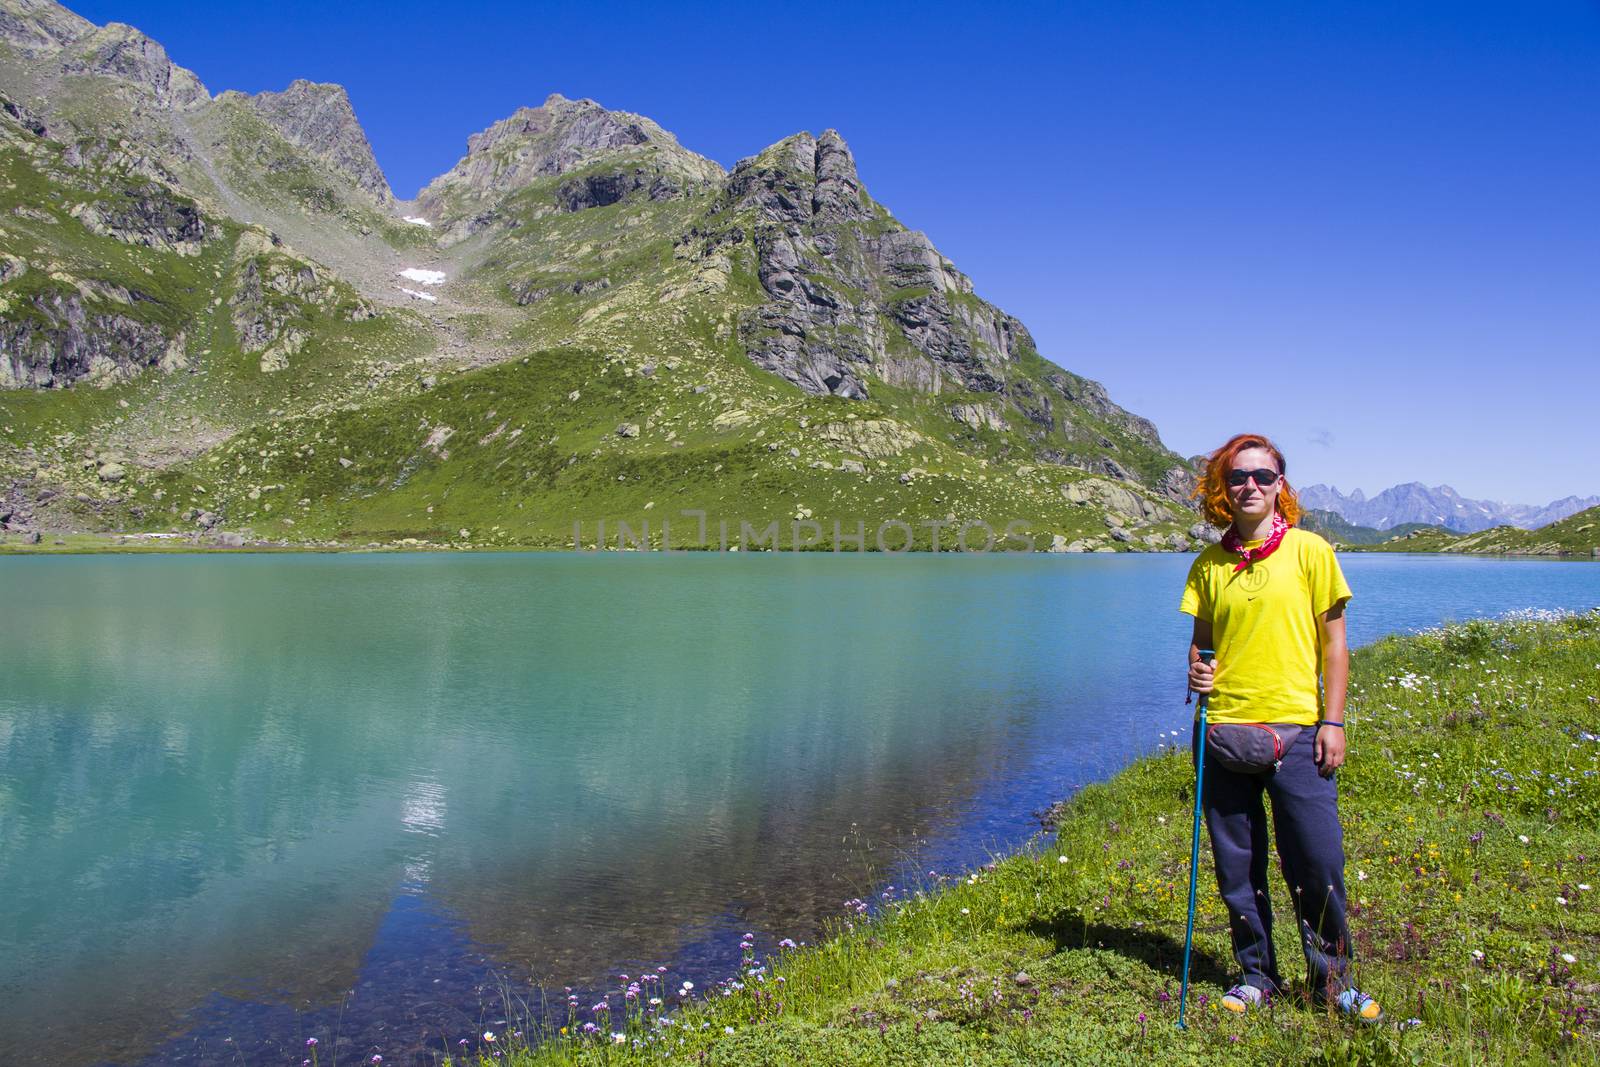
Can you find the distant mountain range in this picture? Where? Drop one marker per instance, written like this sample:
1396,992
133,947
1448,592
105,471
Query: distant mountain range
1437,505
1576,536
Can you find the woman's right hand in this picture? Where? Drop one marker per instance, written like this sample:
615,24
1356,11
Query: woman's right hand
1200,675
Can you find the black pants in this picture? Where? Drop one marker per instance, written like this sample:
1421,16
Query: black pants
1305,821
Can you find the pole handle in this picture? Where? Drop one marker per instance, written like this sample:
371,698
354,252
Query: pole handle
1207,655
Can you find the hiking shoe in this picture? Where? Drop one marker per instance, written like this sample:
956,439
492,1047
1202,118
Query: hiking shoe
1357,1005
1241,998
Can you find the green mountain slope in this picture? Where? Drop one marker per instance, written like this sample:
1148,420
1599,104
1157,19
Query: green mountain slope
1341,531
208,303
1574,536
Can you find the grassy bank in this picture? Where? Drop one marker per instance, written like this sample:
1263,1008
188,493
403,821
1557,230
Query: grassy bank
1471,804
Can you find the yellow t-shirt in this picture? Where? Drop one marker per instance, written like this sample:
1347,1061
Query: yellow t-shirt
1264,626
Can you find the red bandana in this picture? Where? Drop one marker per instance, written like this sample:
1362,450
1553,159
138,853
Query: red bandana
1234,543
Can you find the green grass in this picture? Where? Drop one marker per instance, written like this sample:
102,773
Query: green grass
1470,806
533,446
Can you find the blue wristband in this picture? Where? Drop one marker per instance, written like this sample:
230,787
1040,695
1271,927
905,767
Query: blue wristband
1330,722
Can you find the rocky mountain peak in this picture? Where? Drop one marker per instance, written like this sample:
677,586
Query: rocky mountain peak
838,185
555,138
318,117
119,51
801,178
40,27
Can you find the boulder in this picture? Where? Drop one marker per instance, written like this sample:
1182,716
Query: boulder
1177,484
978,416
871,438
1114,498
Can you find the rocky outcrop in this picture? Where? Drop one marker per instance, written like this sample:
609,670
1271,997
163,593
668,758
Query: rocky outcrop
258,322
319,119
40,27
819,328
872,438
978,416
1178,485
123,53
147,215
533,291
11,267
23,117
801,180
852,291
57,338
611,187
559,137
1092,397
1118,501
273,302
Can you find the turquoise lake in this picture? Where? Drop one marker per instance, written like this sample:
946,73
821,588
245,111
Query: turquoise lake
249,799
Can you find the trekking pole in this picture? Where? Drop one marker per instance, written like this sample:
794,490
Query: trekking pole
1206,656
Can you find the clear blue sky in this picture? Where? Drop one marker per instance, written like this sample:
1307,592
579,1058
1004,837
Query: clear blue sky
1371,229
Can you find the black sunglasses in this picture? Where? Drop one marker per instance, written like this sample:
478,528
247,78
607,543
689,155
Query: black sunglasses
1263,475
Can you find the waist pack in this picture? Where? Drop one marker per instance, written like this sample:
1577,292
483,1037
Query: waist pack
1250,747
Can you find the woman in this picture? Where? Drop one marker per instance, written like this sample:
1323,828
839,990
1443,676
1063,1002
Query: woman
1270,601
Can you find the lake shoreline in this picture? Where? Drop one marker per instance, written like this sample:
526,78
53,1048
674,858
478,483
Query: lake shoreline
1472,902
79,544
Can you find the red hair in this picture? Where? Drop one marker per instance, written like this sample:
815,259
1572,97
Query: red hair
1212,490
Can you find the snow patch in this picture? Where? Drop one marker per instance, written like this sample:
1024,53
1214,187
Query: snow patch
426,277
429,297
417,221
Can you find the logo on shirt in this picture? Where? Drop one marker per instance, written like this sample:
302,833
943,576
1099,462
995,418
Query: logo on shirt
1253,578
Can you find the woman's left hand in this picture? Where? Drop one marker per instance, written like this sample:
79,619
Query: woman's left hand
1329,750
